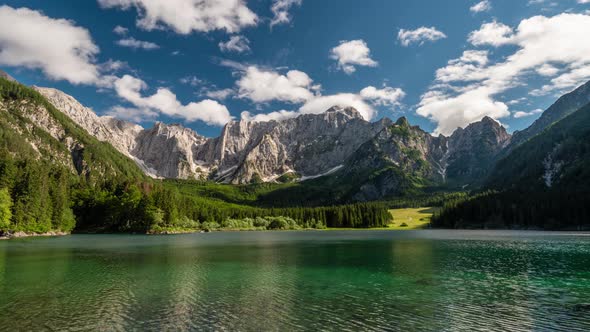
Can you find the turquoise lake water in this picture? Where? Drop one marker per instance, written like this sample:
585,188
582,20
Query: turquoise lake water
283,281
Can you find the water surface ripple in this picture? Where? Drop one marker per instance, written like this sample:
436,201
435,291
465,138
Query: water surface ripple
283,281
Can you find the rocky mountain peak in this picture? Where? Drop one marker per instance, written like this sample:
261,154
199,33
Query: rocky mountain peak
473,150
403,121
348,111
487,120
487,128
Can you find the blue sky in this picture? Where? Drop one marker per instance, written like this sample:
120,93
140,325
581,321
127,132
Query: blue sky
442,64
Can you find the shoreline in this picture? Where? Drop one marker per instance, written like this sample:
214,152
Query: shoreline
20,235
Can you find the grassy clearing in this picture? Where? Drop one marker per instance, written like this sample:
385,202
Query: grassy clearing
415,218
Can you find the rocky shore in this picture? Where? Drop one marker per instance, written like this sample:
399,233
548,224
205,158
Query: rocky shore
14,235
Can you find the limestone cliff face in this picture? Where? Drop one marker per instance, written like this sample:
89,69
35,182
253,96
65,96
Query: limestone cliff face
306,146
170,151
162,151
119,133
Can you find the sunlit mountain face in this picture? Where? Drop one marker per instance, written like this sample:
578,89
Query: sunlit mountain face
205,63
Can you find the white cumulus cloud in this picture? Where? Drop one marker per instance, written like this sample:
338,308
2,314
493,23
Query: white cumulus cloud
387,96
59,48
492,33
296,87
186,16
164,101
555,48
260,85
350,54
419,36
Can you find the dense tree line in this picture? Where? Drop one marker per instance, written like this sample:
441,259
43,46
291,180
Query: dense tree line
34,196
549,210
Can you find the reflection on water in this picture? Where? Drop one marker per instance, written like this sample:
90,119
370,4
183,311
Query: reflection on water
403,281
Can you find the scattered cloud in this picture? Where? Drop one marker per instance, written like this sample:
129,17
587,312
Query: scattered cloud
350,54
220,94
419,36
164,101
555,48
187,16
482,6
59,48
521,114
516,101
238,44
280,10
121,31
114,65
260,85
137,44
132,114
387,96
276,116
192,81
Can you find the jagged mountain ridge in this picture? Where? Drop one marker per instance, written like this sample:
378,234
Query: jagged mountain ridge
402,159
304,147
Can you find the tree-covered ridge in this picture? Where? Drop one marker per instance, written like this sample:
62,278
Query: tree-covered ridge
95,160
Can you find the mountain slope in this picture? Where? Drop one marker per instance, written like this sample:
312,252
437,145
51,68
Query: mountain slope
5,76
559,157
564,106
543,183
44,158
56,137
